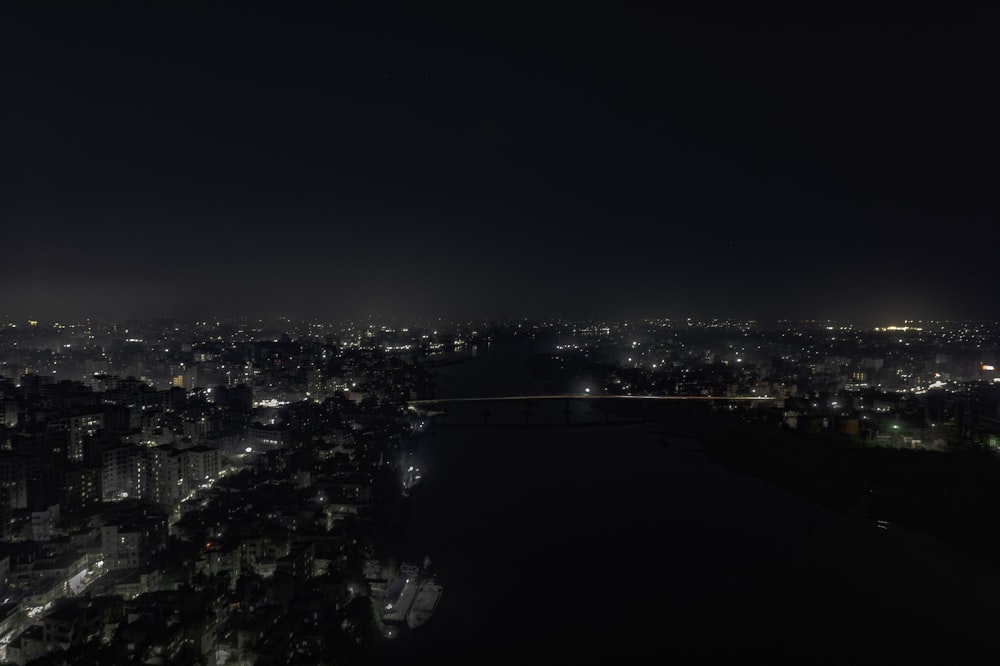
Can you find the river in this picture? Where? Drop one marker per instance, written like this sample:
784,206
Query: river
599,543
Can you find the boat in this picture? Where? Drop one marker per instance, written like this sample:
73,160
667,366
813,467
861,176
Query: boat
411,598
424,604
400,594
410,479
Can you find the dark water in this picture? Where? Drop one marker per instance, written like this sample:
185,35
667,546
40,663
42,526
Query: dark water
597,544
492,369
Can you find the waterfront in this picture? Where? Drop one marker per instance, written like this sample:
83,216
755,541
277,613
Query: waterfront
588,544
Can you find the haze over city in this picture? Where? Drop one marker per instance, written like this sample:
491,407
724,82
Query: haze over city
335,335
633,161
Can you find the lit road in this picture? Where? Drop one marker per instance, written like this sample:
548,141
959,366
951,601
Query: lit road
588,396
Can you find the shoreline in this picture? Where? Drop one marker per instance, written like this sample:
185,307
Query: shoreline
924,492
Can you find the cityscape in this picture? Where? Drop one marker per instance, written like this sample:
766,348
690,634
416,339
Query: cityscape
237,492
388,333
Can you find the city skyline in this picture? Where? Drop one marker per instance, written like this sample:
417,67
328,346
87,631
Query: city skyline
751,163
214,492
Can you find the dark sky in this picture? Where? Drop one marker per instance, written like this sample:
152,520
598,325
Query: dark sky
477,161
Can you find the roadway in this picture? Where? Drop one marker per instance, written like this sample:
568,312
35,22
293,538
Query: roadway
588,396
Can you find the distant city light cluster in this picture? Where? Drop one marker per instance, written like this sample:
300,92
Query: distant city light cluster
250,446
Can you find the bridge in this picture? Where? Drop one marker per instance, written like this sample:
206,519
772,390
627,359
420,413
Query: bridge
587,396
604,403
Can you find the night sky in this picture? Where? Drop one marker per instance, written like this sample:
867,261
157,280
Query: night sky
472,161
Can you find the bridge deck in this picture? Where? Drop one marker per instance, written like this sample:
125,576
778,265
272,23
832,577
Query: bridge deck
587,396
